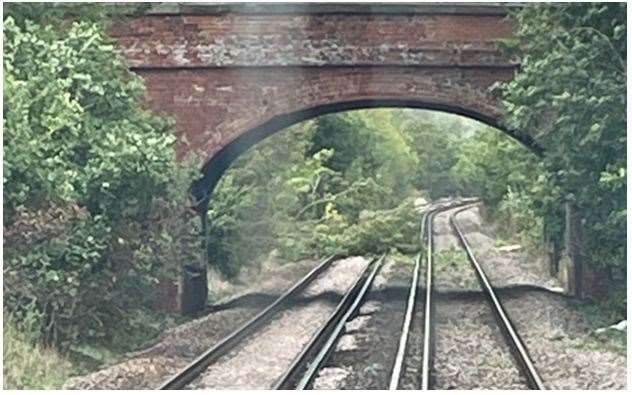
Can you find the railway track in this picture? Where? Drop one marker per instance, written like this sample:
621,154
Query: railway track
248,333
427,300
515,343
300,370
305,367
424,298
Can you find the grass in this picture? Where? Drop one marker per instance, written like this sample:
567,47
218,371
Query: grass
27,365
401,258
608,310
610,340
453,256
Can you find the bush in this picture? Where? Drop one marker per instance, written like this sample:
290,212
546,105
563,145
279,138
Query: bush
95,203
519,219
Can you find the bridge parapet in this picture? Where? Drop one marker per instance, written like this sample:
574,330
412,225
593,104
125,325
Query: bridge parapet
305,35
455,8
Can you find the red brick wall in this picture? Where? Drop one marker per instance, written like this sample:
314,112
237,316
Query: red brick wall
222,74
273,40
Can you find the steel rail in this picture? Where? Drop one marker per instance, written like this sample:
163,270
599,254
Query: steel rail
396,371
514,341
406,327
426,358
411,305
305,366
195,368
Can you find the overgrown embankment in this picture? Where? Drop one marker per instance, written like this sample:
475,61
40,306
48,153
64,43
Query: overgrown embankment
95,203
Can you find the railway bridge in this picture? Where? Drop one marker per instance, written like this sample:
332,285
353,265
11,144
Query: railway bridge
232,74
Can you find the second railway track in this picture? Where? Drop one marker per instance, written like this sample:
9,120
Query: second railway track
439,364
468,343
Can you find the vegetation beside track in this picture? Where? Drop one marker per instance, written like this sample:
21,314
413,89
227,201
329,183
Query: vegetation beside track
450,257
95,204
96,210
570,96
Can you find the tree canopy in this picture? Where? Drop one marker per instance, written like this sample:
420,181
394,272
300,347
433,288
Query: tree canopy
570,95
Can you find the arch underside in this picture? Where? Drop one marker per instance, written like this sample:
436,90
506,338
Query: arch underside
221,112
222,159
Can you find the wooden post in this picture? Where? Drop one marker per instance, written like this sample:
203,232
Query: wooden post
575,246
204,254
556,256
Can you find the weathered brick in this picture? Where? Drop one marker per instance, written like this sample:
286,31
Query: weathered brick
222,74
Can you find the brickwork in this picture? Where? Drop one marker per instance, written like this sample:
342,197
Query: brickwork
313,40
214,106
223,75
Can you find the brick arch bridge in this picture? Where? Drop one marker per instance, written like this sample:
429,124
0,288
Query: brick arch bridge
233,74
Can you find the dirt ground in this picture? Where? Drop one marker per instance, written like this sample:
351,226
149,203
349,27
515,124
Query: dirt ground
565,350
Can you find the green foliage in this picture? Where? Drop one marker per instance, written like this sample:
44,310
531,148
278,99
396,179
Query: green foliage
370,154
519,219
488,164
74,124
95,204
338,183
570,95
375,232
60,13
258,197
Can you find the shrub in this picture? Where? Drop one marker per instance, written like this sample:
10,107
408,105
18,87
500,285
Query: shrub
95,203
376,232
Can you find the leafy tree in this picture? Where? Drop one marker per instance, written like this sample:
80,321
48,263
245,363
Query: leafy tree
371,154
253,209
570,95
436,142
489,163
